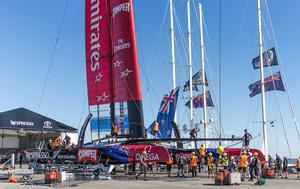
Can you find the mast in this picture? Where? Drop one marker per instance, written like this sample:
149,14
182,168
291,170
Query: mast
263,100
203,74
172,50
190,63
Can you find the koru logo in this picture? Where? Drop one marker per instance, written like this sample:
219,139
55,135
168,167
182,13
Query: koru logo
47,124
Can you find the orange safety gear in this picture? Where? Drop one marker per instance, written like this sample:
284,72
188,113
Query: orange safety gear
243,161
202,150
115,129
155,126
210,161
255,154
194,161
298,163
169,161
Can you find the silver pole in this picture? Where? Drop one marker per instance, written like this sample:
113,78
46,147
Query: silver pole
190,63
172,50
263,99
203,74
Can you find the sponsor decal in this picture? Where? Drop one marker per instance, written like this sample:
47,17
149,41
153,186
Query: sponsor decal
36,154
121,45
151,156
22,123
47,125
124,7
85,154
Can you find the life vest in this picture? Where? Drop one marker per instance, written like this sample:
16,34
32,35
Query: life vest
169,161
155,127
225,161
115,129
210,161
194,161
243,161
298,163
202,151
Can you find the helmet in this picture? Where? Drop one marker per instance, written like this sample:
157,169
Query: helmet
193,153
209,154
255,154
225,154
202,145
50,140
232,157
220,149
243,152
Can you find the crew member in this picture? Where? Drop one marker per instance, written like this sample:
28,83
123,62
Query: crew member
193,133
284,168
225,161
210,164
243,164
298,166
202,152
180,164
254,167
115,131
246,140
49,145
169,164
143,165
67,141
155,128
194,164
57,142
278,163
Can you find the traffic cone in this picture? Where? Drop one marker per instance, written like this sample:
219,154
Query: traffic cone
12,179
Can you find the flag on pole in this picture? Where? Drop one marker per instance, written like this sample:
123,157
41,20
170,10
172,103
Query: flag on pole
196,80
269,59
198,101
273,82
166,115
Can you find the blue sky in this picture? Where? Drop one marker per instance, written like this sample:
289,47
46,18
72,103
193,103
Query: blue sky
29,30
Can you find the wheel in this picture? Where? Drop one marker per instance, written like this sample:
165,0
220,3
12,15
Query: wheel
96,172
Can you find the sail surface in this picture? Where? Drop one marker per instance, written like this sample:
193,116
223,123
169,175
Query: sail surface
111,54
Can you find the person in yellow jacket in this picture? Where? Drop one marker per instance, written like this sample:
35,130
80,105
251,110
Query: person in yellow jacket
169,164
155,128
298,167
202,152
243,164
194,164
210,164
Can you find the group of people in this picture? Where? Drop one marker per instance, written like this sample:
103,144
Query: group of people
280,165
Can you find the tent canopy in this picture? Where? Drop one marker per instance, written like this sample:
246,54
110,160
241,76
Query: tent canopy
24,119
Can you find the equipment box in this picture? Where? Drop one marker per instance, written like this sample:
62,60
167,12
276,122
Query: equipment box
235,178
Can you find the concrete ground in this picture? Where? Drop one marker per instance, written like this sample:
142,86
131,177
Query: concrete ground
157,182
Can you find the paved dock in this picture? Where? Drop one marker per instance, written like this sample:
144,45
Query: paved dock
158,182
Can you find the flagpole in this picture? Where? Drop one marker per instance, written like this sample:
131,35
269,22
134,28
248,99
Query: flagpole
172,50
190,63
203,74
263,99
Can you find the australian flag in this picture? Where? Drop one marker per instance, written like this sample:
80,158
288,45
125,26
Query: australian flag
196,80
198,101
166,115
273,82
269,59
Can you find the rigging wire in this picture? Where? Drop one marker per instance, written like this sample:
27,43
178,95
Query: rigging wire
282,70
220,76
53,55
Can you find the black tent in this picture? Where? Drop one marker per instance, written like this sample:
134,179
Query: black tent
21,129
24,119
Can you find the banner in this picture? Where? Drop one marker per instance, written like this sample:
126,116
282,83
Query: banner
269,59
273,82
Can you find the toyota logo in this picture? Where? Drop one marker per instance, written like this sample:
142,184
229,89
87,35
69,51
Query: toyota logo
47,123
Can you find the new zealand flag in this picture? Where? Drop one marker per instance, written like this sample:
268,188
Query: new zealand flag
198,101
269,59
273,82
166,115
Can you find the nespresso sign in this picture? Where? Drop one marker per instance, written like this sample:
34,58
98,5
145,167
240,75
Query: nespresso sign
22,123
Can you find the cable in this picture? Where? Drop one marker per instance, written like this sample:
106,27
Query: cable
52,56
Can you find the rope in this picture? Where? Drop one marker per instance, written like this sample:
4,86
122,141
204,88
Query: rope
282,71
220,79
52,56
